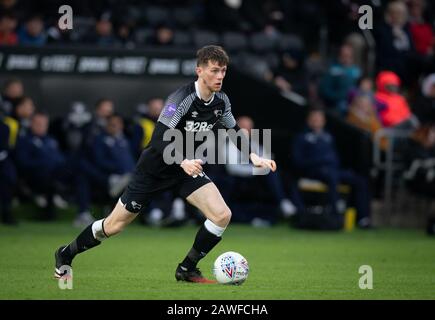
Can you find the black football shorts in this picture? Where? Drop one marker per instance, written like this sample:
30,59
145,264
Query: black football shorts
144,187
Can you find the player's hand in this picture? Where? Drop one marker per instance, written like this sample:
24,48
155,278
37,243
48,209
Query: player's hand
192,167
260,162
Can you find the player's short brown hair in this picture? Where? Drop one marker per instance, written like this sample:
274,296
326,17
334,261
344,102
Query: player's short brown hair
212,53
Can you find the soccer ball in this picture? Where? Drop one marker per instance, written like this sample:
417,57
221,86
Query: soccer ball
231,268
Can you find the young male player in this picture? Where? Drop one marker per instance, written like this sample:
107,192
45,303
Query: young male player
199,104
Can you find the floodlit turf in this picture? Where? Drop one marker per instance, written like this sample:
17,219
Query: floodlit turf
285,264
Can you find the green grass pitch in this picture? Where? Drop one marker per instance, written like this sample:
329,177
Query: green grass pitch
284,264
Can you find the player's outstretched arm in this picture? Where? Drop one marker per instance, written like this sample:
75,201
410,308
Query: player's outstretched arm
260,162
191,167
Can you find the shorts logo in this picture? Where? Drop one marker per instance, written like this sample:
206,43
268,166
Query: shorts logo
135,205
218,113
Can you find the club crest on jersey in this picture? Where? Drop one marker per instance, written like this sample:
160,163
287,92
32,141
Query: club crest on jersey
194,114
218,113
135,205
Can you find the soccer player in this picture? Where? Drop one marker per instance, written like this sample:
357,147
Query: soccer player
199,104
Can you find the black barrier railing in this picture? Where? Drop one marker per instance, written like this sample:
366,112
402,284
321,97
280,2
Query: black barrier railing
389,163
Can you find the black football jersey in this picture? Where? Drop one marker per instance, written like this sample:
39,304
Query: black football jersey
184,110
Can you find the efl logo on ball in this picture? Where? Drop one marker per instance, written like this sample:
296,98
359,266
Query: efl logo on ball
231,268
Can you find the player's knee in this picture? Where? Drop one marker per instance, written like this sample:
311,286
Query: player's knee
113,227
224,217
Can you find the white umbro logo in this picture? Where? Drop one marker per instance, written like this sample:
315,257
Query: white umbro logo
194,114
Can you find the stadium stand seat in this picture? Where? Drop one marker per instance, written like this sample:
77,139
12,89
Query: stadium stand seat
156,16
290,42
142,35
234,41
202,38
272,59
253,64
310,185
182,38
183,17
82,26
316,215
261,42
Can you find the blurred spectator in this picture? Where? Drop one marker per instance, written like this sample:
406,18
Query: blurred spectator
291,74
340,78
75,128
58,36
315,155
124,35
12,92
144,123
33,33
38,129
103,32
40,161
424,106
112,152
393,41
23,113
420,156
109,163
394,111
12,6
240,184
47,171
362,114
104,108
95,174
7,4
365,86
163,36
421,31
8,24
8,176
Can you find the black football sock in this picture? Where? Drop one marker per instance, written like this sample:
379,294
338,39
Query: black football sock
204,242
83,242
